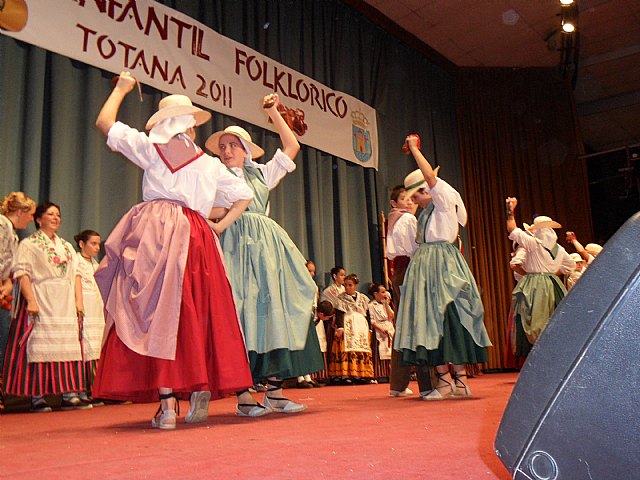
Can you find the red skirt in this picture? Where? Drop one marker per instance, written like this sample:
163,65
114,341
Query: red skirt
210,352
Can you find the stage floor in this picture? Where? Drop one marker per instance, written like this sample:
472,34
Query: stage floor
347,432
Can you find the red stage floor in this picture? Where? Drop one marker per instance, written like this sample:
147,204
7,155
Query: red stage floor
348,432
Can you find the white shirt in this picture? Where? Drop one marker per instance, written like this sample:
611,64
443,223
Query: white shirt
201,185
538,260
518,258
401,241
448,210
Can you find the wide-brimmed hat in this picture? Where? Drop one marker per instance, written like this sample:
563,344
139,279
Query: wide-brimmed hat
213,142
542,221
415,181
593,249
576,257
174,106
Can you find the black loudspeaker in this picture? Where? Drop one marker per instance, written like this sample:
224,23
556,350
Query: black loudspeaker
575,409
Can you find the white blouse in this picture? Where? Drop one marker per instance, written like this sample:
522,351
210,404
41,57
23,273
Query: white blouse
539,260
273,171
446,215
201,185
8,246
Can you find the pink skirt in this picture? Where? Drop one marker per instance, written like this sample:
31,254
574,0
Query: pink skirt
210,352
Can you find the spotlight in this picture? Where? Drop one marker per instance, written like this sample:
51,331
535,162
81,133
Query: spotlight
569,15
566,2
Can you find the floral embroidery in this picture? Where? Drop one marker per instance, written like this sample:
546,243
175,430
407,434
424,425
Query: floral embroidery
44,243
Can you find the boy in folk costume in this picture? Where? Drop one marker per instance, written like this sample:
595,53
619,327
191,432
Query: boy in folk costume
540,290
440,320
401,245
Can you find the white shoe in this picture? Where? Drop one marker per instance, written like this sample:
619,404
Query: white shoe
404,393
283,405
198,407
254,410
164,420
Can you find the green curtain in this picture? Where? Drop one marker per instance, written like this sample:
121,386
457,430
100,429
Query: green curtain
50,149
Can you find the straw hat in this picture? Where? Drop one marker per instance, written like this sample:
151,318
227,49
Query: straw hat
213,142
593,249
415,181
174,106
542,221
576,257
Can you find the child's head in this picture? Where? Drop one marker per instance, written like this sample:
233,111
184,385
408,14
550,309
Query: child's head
351,282
417,188
88,242
421,197
579,261
378,292
338,273
325,310
311,267
400,198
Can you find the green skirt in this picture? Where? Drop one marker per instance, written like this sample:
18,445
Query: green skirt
284,363
456,346
441,317
534,300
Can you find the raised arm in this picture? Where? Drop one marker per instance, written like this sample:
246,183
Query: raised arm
424,166
290,145
511,203
109,112
573,240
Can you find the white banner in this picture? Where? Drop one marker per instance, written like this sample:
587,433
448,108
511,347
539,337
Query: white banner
176,54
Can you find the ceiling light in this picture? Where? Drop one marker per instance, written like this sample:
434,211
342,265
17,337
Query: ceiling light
569,17
566,2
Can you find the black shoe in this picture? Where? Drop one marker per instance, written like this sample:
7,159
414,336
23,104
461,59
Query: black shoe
303,384
40,406
315,384
74,403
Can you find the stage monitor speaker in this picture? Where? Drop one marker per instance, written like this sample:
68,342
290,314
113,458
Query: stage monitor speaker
574,412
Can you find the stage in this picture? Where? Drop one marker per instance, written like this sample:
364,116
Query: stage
347,432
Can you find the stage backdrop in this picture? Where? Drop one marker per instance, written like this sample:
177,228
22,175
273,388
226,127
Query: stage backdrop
177,54
330,207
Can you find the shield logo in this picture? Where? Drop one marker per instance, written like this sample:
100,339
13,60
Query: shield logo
361,138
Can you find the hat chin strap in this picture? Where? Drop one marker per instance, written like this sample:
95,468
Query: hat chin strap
248,159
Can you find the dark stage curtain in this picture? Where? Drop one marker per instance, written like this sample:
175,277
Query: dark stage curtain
518,137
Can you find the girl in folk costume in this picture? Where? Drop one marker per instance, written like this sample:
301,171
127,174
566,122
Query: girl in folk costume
577,273
273,290
440,320
518,256
381,315
171,327
44,352
332,292
16,212
350,356
540,290
88,242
